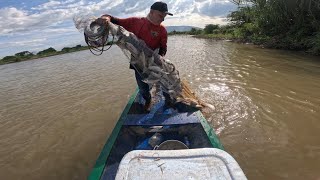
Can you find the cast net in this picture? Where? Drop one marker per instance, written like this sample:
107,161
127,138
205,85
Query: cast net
154,68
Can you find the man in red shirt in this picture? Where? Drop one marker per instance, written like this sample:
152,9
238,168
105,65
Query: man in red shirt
153,33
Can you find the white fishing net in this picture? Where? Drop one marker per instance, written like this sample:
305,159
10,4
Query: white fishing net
149,64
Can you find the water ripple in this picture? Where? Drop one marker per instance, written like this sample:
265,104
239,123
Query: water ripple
56,112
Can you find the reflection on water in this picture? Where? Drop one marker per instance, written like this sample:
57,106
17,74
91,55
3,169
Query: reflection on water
267,104
55,113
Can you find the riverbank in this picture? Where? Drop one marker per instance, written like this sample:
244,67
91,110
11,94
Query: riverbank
26,55
279,42
270,24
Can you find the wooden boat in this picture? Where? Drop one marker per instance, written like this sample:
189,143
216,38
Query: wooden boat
162,129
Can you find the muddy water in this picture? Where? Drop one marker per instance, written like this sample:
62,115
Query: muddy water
56,112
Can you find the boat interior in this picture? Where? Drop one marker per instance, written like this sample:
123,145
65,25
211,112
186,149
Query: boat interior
162,128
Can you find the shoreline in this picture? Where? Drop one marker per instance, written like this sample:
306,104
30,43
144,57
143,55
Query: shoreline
269,44
34,57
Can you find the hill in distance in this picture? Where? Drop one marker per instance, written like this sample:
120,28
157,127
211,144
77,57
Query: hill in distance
179,28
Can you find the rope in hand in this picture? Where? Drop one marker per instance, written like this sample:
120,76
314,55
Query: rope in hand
96,37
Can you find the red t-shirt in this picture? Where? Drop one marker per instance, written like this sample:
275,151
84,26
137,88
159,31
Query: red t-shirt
155,36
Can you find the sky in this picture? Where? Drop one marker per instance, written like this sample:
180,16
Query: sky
36,25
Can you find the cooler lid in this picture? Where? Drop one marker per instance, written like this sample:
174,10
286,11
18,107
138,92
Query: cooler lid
205,163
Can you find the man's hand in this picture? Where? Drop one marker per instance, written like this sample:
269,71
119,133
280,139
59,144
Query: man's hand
159,61
107,17
103,20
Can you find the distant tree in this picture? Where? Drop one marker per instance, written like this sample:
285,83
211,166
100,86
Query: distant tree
24,54
66,49
193,31
208,29
10,59
47,51
78,46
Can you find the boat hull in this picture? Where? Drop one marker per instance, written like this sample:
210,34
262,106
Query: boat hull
136,127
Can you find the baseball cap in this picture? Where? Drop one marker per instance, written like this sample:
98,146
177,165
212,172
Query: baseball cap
161,6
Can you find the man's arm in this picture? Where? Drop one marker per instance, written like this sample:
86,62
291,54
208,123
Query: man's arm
112,19
162,51
127,23
163,42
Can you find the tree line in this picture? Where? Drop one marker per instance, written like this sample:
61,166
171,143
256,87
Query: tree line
26,55
282,24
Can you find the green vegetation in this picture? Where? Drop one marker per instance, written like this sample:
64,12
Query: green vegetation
26,55
282,24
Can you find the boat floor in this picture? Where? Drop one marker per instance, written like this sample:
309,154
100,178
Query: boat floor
135,128
138,126
159,113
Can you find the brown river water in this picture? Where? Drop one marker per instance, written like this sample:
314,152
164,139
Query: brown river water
57,112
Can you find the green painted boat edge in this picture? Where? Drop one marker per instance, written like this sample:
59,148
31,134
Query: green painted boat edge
215,142
98,168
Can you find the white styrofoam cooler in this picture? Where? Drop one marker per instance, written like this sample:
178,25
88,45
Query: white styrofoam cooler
205,163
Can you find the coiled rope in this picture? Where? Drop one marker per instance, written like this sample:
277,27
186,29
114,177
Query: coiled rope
96,37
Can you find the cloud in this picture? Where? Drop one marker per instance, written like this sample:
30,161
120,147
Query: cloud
33,42
48,5
16,21
59,5
53,13
53,19
196,20
199,12
215,8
